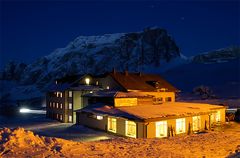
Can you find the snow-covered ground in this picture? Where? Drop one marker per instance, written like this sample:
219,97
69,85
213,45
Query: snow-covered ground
214,144
51,128
189,97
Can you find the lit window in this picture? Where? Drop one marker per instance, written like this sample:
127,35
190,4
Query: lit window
61,94
108,87
70,105
218,114
215,117
61,106
53,104
161,129
196,123
87,81
57,105
131,129
61,117
99,117
50,104
112,124
180,125
168,99
70,118
162,89
96,83
70,94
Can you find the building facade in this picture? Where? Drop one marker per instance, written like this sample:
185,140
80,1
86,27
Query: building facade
153,121
64,97
70,93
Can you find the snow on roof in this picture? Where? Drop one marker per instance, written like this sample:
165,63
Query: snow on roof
101,108
116,94
141,81
131,95
58,87
85,87
103,93
160,111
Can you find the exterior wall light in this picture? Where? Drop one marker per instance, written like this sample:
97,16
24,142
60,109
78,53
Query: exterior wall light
99,117
87,81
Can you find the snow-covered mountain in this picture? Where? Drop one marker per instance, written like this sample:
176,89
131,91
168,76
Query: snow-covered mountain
99,54
218,56
151,51
219,70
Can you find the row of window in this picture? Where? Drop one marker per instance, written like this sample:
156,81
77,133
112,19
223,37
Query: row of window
59,105
55,105
130,127
60,117
60,94
160,99
161,126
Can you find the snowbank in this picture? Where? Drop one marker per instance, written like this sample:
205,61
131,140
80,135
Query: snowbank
21,143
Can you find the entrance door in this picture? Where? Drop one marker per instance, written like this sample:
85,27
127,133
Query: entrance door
161,129
196,123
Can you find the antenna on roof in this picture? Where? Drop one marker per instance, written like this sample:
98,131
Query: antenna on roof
114,71
126,73
140,73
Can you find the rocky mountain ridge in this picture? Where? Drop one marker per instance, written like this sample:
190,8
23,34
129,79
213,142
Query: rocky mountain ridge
98,54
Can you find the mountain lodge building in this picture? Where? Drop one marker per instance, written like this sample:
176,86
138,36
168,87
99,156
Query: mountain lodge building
129,104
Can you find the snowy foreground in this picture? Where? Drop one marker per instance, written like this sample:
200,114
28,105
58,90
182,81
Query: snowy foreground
224,143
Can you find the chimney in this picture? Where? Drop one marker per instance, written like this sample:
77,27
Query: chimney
126,73
139,73
114,71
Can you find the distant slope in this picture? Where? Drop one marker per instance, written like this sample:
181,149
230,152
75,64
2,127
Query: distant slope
222,74
218,56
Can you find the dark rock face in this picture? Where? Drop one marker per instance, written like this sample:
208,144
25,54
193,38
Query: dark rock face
13,71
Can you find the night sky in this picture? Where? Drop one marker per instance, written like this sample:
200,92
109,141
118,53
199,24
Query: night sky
31,29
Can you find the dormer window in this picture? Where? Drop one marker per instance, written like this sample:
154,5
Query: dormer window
162,90
87,81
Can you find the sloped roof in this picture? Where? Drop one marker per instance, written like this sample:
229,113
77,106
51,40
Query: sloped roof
154,112
58,87
140,81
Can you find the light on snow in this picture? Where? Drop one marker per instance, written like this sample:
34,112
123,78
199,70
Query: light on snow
24,110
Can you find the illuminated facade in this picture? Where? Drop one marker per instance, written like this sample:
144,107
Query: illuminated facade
66,96
130,104
143,106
